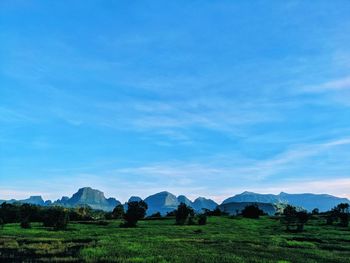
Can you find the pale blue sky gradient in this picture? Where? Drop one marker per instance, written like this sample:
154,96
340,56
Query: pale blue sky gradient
203,98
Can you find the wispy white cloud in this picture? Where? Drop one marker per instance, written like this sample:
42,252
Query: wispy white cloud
340,84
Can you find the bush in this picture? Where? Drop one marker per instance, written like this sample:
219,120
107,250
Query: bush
118,212
294,220
202,219
215,212
25,223
344,219
136,211
182,213
1,223
302,218
252,211
315,211
191,220
56,217
156,215
170,214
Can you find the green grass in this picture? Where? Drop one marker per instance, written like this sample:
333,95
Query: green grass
221,240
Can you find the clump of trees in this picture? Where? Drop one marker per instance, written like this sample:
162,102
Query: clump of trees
183,213
202,219
215,212
136,211
339,213
252,211
57,218
294,220
118,212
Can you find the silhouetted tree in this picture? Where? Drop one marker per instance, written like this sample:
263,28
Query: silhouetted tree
170,214
156,215
252,211
9,213
343,208
315,211
202,219
302,218
215,212
136,211
289,218
25,223
344,219
56,217
332,216
343,214
118,212
182,213
293,218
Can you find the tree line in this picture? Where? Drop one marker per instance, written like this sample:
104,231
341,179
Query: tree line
58,218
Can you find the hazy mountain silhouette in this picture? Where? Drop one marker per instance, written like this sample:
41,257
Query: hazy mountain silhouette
91,197
164,202
203,203
308,201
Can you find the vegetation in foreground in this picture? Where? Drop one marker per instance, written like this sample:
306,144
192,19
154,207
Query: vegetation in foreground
222,239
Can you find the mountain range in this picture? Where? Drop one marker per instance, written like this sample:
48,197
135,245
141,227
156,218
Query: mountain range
323,202
164,202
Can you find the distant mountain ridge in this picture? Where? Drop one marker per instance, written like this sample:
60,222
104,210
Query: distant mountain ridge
164,202
91,197
323,202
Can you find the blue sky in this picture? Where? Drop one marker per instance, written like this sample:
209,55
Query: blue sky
205,98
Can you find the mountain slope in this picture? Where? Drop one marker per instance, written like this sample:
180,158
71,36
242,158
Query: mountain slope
162,202
234,208
203,203
91,197
308,201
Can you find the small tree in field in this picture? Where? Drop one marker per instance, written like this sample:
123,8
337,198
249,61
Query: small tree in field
302,218
182,213
252,211
136,211
118,212
202,219
294,219
289,219
315,211
56,217
343,214
25,223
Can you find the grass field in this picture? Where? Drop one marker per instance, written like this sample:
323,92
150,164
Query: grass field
222,240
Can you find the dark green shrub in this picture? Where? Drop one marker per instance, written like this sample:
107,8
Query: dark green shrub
25,223
118,212
215,212
56,217
344,219
252,211
315,211
302,218
156,215
1,223
202,219
182,213
136,211
191,221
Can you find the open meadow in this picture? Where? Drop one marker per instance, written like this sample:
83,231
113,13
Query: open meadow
222,239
